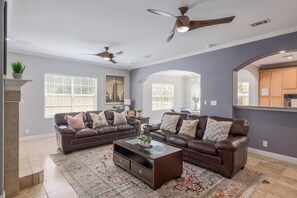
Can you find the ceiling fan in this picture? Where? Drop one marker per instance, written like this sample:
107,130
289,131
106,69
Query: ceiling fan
183,23
107,55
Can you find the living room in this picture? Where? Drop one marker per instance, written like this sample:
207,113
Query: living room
62,45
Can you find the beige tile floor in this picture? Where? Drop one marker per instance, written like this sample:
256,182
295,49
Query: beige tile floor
281,176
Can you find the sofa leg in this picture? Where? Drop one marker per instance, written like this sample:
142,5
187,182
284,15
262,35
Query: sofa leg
242,168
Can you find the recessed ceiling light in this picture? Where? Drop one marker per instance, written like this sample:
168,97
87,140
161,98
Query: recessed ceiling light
8,39
289,57
282,52
128,61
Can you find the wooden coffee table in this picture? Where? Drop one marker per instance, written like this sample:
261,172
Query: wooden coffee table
154,166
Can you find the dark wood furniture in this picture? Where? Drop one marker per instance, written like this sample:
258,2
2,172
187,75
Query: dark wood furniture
143,120
154,166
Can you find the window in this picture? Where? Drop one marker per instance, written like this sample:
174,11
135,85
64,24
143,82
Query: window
243,93
68,94
162,96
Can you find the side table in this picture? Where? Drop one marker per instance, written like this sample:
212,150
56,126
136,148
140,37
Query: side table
143,120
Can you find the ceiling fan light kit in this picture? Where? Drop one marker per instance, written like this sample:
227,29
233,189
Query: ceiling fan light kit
107,55
183,23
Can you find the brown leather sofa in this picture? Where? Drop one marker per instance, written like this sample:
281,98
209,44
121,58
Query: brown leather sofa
69,140
226,157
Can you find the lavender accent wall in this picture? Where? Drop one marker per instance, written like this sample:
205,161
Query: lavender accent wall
279,129
216,84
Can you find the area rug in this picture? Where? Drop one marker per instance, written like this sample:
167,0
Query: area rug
92,173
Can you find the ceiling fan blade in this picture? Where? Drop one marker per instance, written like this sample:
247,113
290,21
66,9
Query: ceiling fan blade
103,54
162,13
171,33
113,61
198,24
119,53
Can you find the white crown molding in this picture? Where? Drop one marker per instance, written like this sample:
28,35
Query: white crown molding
36,137
66,59
273,155
226,45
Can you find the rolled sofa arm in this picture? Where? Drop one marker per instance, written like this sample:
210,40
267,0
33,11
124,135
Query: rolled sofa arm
151,127
63,129
136,124
232,144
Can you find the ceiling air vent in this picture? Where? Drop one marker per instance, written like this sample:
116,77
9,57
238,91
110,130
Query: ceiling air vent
260,22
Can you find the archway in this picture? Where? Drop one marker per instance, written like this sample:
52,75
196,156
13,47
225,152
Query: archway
171,90
251,89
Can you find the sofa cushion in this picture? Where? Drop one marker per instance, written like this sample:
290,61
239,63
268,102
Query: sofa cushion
87,132
160,134
216,131
107,129
124,127
99,120
169,122
76,122
207,147
189,127
119,118
201,125
179,140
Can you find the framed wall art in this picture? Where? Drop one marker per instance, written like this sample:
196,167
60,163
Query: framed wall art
115,89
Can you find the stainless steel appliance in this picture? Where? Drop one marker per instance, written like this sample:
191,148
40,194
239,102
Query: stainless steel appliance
290,100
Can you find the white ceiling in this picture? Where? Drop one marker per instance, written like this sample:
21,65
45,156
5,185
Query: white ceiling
277,58
67,28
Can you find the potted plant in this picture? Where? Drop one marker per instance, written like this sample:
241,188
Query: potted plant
144,140
138,112
18,68
114,107
195,100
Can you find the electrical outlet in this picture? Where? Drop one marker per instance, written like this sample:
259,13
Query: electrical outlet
205,102
27,131
213,103
265,143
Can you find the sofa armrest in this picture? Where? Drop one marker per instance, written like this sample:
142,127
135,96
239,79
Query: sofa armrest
136,124
232,144
152,127
63,129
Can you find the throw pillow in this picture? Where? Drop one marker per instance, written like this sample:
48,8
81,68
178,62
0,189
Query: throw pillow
99,120
189,127
216,131
119,118
169,122
76,122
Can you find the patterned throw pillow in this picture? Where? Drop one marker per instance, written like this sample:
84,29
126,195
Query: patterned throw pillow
76,122
189,127
99,120
119,118
169,122
216,131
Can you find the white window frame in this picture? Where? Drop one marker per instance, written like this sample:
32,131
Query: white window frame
72,94
173,97
243,94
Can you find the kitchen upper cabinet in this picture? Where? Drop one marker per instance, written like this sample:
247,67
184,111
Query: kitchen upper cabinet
276,82
290,78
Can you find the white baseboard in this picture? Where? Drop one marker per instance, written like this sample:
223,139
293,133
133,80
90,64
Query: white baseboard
3,195
273,155
36,137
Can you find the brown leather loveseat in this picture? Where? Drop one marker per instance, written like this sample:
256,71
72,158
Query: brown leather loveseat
226,157
69,140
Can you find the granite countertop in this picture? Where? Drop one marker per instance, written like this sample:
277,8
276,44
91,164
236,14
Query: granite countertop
287,109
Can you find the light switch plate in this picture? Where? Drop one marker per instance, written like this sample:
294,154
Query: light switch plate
213,103
205,102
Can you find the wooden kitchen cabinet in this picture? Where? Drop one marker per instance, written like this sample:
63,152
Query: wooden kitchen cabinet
290,78
264,85
274,83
